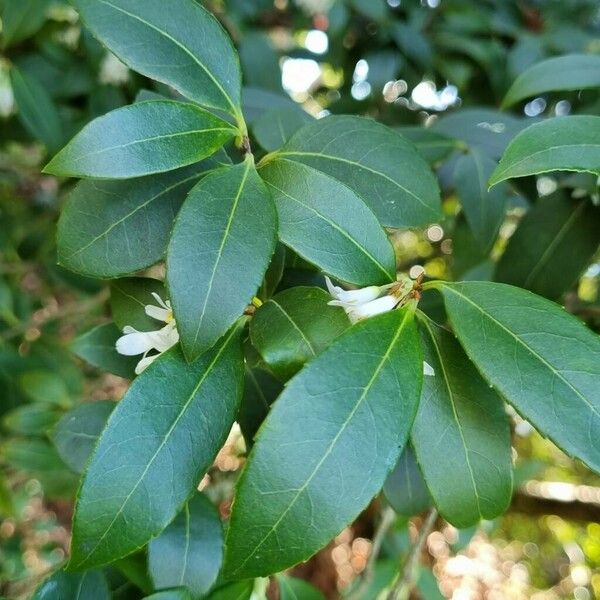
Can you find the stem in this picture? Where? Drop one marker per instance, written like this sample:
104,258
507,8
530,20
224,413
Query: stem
405,582
431,285
388,518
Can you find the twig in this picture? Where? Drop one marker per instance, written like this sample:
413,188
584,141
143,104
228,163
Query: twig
388,518
405,581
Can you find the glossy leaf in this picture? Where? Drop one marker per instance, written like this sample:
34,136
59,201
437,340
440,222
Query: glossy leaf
292,588
228,215
175,594
275,127
294,326
352,247
148,461
90,585
37,110
485,210
553,244
78,431
377,163
114,228
561,73
559,144
433,146
129,297
189,551
141,139
461,435
326,447
542,360
205,68
97,347
405,488
240,590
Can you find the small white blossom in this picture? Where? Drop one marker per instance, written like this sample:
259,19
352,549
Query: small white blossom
428,369
135,342
113,71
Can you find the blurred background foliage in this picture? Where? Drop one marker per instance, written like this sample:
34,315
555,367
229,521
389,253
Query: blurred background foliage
437,71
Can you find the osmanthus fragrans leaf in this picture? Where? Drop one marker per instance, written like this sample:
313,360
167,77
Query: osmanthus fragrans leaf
220,248
545,362
558,144
76,434
129,297
97,347
159,441
461,434
141,139
21,20
553,244
114,228
353,247
174,594
561,73
433,146
189,551
294,326
484,210
377,163
239,590
326,447
90,585
292,588
275,127
204,68
36,109
405,488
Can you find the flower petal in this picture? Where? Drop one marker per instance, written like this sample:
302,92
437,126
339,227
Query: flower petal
428,369
370,309
134,343
145,362
160,314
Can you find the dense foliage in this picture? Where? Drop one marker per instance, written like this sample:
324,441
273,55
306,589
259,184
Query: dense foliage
363,273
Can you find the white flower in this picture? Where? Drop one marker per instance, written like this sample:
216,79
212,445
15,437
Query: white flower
428,369
113,71
135,342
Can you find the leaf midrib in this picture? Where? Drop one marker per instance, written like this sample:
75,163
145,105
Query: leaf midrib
331,446
295,326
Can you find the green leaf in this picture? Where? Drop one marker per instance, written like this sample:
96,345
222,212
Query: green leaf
294,326
552,246
561,73
189,551
34,454
128,299
558,144
176,594
542,360
114,228
405,487
433,146
376,162
275,127
78,431
485,210
228,215
45,386
148,461
352,247
326,446
32,419
21,19
292,588
205,67
97,347
141,139
461,435
240,590
37,110
90,585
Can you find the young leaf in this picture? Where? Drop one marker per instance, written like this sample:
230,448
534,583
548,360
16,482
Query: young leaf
128,299
97,347
220,248
461,435
326,446
560,73
158,443
78,431
90,585
542,360
168,47
559,144
294,326
554,243
352,247
375,162
405,487
292,588
141,139
485,210
189,551
37,110
114,228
